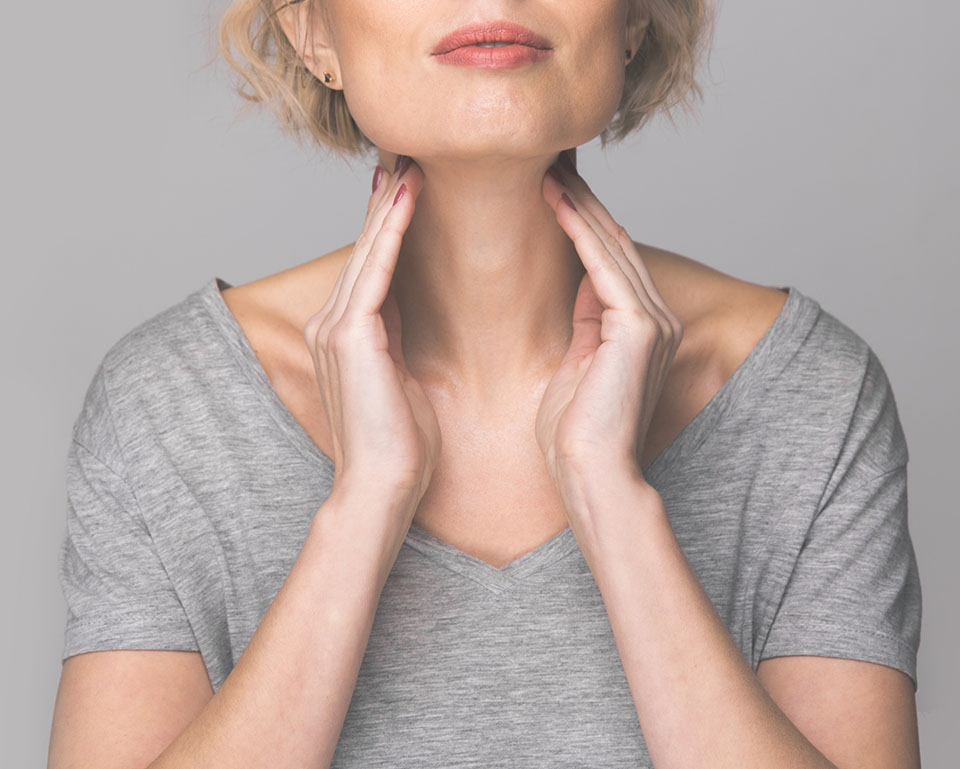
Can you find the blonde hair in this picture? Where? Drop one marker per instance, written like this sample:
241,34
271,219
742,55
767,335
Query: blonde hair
661,75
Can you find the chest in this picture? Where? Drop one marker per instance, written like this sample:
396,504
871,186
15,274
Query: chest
491,496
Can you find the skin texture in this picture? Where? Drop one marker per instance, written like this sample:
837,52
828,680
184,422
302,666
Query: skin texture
490,271
484,259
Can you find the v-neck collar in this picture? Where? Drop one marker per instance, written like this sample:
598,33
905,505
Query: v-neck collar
771,353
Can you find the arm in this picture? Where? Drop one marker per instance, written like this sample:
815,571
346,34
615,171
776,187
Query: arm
698,701
285,701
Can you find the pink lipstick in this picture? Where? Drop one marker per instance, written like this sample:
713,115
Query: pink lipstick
495,44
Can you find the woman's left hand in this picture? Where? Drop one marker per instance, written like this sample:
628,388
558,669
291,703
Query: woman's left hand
595,411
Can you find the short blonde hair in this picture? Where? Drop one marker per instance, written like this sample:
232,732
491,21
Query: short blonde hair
661,75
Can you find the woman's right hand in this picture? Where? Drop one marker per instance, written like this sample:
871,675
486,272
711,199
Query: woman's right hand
385,430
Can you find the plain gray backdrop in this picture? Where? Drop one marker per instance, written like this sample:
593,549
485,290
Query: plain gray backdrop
824,157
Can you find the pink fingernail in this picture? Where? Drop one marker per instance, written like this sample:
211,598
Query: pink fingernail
403,188
377,175
565,199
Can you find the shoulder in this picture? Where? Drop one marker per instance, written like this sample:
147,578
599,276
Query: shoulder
272,312
142,366
731,315
289,296
186,335
724,317
177,336
822,364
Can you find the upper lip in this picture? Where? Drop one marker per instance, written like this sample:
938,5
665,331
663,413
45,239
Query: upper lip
500,31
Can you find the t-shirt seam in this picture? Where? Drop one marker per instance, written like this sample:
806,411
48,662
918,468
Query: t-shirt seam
870,359
113,425
120,476
142,522
772,610
81,622
808,621
873,479
116,437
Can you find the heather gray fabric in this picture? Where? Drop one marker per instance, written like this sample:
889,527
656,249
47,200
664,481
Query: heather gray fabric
191,488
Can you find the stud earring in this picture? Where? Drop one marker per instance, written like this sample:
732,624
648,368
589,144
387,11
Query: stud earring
328,77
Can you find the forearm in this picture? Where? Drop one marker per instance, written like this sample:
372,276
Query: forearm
698,701
284,703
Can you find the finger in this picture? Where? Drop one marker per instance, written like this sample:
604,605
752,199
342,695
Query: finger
611,284
585,198
373,205
629,257
376,272
591,209
372,226
377,208
630,249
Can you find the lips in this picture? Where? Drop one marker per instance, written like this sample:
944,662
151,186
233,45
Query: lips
491,32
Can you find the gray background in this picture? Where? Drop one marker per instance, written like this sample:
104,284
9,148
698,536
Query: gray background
821,158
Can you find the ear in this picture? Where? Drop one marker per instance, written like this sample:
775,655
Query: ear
638,19
307,28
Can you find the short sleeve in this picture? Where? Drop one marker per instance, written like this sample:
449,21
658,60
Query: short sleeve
117,591
854,590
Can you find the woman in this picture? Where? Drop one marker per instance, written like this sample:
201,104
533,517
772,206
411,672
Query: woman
495,485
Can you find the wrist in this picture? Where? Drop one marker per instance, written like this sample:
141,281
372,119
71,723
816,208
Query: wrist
611,509
378,494
601,483
367,524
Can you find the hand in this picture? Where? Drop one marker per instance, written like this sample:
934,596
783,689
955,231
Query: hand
596,409
385,431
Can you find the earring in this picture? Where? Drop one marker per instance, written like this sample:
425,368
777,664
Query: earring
328,77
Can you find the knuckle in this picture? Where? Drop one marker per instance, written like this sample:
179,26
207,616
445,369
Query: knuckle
389,228
373,264
649,331
339,338
363,241
311,329
649,325
677,328
615,246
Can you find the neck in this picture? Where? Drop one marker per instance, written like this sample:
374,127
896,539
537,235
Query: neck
486,277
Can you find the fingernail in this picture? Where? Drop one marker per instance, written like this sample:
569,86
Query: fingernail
403,188
565,199
377,175
397,162
567,163
557,175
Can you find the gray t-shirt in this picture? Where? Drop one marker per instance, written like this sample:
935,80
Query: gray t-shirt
191,487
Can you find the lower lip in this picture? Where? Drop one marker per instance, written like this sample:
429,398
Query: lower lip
503,56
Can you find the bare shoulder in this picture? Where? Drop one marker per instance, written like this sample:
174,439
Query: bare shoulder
272,312
287,298
720,313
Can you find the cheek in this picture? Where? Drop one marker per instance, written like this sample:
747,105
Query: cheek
382,96
595,87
